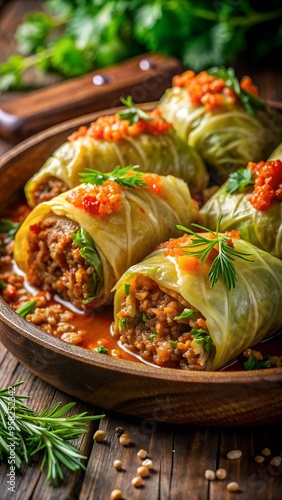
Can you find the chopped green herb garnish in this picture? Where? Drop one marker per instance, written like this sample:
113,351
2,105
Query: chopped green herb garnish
253,363
132,114
88,251
119,175
173,343
203,337
249,101
239,180
152,336
2,285
122,323
101,349
186,313
127,288
9,228
26,308
222,265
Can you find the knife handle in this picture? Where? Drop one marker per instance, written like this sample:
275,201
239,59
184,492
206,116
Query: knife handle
144,77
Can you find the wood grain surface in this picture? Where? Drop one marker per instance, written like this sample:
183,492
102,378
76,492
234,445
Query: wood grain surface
180,453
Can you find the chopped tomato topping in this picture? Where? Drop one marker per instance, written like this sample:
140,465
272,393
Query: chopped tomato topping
113,128
188,262
268,183
209,91
97,200
154,182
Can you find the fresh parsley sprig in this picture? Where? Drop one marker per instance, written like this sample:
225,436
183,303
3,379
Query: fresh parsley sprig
222,265
239,180
119,175
47,433
132,113
249,101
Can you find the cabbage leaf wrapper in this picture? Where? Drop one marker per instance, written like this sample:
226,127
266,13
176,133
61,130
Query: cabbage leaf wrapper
226,139
235,319
277,153
261,228
45,248
164,154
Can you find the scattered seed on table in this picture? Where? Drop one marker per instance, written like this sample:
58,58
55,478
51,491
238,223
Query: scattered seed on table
210,474
117,464
233,454
125,439
259,459
116,495
276,461
142,454
99,436
266,452
148,463
221,474
143,471
232,486
137,481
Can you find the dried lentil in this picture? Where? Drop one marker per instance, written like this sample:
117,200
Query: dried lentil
276,461
143,471
221,474
137,481
99,436
142,454
266,452
234,454
116,495
117,464
210,474
259,459
232,486
148,463
125,439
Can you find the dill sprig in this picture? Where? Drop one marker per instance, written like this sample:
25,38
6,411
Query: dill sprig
119,175
47,433
9,228
249,101
222,264
132,113
239,180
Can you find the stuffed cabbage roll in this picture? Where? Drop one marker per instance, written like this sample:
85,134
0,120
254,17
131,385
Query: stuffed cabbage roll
223,119
168,313
78,244
250,202
131,137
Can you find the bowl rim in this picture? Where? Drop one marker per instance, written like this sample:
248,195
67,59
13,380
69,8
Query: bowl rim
31,332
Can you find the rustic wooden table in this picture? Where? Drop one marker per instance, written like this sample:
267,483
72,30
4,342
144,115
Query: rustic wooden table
180,454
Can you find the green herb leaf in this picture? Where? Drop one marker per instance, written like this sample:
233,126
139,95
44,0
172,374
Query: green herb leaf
152,336
101,349
222,265
186,313
132,114
88,251
203,337
9,228
239,180
122,323
119,175
250,102
3,285
253,363
127,288
26,308
173,343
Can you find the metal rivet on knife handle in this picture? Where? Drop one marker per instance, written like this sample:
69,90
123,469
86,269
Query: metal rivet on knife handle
146,64
100,80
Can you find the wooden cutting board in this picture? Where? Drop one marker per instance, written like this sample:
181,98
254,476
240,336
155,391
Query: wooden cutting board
145,78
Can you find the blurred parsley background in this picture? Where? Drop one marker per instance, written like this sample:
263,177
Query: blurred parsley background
73,37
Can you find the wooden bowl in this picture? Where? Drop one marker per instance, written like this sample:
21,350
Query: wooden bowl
157,394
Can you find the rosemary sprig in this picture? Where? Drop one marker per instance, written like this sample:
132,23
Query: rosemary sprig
222,265
132,114
47,433
249,101
239,180
119,175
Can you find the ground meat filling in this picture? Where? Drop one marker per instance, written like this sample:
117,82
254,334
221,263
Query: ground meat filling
55,263
147,326
48,189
